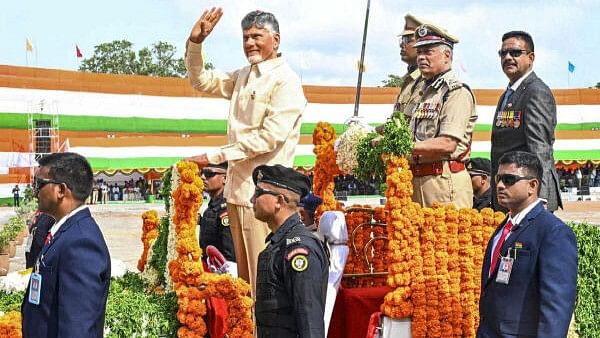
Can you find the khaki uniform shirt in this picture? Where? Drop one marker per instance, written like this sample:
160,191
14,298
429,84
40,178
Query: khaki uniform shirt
445,108
409,93
264,121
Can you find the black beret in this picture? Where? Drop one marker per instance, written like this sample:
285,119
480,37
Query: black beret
310,202
282,177
222,165
479,166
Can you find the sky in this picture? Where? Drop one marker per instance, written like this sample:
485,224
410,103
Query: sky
321,39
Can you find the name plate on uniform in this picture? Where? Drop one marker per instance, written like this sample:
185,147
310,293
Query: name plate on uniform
396,328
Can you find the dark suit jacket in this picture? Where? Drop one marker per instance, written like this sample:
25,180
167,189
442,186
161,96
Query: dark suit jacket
75,280
535,134
538,301
39,230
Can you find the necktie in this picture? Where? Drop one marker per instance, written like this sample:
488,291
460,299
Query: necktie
507,95
48,238
505,231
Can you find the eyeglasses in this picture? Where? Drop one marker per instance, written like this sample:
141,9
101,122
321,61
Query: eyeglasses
510,179
210,174
39,183
406,39
260,191
513,52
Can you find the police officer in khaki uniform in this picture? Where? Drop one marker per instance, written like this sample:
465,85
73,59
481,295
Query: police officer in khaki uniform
409,89
442,124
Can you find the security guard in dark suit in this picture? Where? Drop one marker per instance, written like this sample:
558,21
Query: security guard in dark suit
479,169
214,223
293,268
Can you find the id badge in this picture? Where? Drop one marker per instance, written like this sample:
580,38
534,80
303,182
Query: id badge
35,288
504,270
29,241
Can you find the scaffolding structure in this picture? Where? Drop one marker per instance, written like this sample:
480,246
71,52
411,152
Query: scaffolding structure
43,131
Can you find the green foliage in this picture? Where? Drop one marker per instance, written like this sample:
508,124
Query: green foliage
396,139
393,81
14,227
131,312
118,57
11,301
370,164
165,190
159,250
5,238
587,305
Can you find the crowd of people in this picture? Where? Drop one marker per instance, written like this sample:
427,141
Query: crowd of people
529,273
130,190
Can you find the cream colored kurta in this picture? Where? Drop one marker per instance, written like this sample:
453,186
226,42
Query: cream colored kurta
264,121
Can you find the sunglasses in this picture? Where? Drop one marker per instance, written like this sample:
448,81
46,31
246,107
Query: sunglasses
406,39
39,183
210,174
510,179
513,52
260,191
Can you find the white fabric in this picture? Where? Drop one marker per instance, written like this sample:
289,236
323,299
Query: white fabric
332,226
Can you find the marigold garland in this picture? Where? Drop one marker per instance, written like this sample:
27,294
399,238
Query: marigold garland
325,169
149,234
10,325
186,270
435,257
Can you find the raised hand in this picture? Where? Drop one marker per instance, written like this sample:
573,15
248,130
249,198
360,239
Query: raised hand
208,20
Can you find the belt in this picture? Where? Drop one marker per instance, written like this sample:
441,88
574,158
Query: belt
435,168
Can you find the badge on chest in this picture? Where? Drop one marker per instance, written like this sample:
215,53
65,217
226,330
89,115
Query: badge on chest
509,119
427,110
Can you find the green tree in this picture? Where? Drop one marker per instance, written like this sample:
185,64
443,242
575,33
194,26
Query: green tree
597,85
118,57
392,81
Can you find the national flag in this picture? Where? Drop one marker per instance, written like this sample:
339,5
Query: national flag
28,45
78,52
571,67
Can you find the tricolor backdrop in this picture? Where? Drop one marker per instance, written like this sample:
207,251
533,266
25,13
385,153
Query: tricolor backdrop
137,123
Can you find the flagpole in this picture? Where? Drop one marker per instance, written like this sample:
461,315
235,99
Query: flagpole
362,59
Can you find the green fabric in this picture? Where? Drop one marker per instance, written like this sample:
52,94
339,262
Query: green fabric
187,126
100,164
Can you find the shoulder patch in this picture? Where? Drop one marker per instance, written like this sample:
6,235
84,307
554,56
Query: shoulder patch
224,219
293,240
453,84
299,263
297,251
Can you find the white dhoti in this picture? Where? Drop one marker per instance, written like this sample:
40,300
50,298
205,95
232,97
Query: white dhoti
332,226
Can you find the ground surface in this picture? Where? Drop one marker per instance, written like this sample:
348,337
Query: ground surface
121,226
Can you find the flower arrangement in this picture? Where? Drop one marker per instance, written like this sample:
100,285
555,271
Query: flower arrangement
325,168
149,234
435,256
186,269
346,156
10,324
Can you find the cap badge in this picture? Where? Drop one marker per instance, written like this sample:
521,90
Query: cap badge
422,31
259,176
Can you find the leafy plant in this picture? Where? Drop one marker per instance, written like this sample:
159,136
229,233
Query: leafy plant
132,312
159,250
165,190
370,164
587,305
11,301
5,238
396,139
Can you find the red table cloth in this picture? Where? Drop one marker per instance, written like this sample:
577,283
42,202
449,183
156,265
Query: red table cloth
353,308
